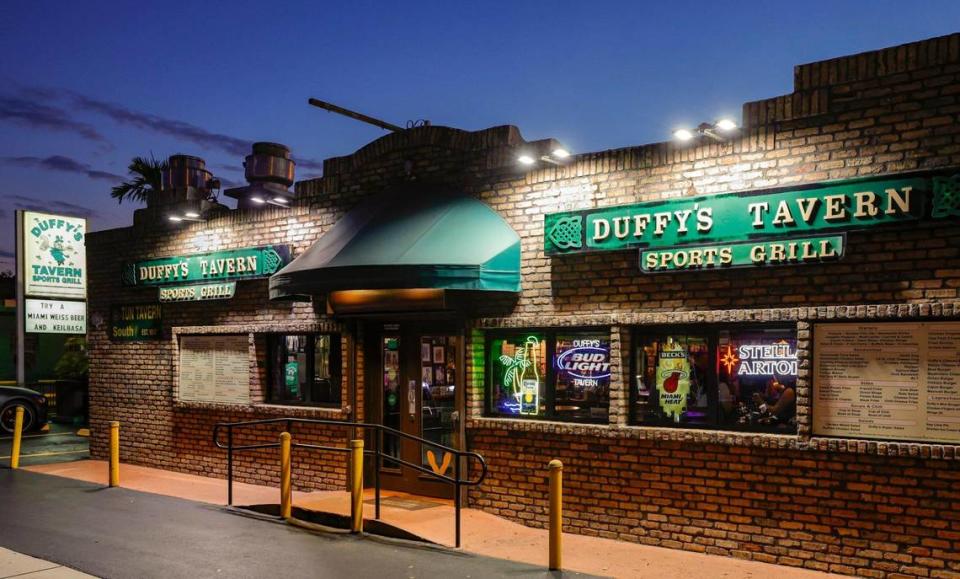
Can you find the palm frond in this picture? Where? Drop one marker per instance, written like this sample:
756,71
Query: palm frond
146,179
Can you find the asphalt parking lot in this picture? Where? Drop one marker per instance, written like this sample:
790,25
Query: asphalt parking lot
59,444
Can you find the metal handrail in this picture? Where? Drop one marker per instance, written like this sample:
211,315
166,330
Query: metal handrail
377,453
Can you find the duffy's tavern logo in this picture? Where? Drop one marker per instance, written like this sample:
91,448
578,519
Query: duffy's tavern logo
59,247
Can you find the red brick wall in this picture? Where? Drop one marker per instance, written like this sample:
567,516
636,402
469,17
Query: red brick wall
845,513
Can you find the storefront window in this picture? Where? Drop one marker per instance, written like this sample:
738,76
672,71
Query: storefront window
742,379
582,377
304,369
558,376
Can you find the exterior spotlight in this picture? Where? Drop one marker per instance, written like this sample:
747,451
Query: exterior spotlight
175,218
257,200
726,125
560,153
192,215
281,200
526,160
710,130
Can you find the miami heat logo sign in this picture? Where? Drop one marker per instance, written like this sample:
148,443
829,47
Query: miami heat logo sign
673,379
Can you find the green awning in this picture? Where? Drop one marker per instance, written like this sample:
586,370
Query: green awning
404,241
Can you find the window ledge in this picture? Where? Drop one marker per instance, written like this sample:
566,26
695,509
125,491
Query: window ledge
732,438
260,408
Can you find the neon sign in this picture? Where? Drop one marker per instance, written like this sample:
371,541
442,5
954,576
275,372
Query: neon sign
776,359
729,359
586,360
522,376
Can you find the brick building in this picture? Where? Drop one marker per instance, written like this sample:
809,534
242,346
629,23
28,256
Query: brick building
743,346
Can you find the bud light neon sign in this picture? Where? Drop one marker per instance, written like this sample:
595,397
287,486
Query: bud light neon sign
586,360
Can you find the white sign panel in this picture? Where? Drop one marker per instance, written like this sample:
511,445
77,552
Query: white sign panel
56,317
887,380
215,368
54,255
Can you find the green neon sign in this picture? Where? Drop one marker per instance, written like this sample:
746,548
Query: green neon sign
791,251
245,263
745,216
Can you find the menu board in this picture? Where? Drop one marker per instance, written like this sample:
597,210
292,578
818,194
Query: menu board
893,381
215,368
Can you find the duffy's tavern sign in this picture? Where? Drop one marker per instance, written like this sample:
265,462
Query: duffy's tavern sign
207,276
772,227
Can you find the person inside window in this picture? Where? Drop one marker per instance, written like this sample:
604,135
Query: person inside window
778,401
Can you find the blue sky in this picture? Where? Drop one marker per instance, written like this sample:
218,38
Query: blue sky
85,86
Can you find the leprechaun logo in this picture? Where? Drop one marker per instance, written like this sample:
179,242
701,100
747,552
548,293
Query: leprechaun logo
55,255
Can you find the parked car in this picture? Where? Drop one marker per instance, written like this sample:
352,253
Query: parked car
34,408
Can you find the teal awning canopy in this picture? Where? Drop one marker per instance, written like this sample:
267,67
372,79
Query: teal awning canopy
404,241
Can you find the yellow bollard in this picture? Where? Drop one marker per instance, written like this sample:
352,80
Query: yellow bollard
286,506
356,486
17,435
556,515
114,454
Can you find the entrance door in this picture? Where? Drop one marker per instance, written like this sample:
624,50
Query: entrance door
419,386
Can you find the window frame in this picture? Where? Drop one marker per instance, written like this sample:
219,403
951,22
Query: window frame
271,341
640,335
550,335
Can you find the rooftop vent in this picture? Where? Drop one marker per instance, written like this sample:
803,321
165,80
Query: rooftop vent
269,170
188,190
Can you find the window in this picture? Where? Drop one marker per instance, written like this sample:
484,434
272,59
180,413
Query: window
734,379
550,375
304,369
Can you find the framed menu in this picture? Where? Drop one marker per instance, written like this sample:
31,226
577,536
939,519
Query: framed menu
215,368
887,380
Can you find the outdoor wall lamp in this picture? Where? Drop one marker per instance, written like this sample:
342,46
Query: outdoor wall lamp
196,210
718,131
549,151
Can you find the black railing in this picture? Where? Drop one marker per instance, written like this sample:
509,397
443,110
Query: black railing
378,430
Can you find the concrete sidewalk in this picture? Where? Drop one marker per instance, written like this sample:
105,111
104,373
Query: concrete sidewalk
433,519
13,564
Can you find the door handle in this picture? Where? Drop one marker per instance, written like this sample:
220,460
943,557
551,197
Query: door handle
412,399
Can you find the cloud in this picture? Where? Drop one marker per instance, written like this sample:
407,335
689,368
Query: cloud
41,108
43,116
61,163
309,164
50,205
172,127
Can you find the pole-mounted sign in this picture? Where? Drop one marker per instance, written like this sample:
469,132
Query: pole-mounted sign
51,263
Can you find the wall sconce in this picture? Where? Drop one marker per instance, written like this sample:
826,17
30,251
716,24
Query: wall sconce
548,151
719,131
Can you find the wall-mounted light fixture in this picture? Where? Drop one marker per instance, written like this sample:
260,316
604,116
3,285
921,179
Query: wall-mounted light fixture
195,210
548,151
719,131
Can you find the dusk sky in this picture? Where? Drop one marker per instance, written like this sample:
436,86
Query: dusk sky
86,86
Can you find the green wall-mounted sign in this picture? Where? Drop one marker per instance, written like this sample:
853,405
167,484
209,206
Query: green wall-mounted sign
235,264
135,322
198,293
737,217
790,251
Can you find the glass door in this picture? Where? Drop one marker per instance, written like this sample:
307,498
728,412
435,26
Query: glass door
419,394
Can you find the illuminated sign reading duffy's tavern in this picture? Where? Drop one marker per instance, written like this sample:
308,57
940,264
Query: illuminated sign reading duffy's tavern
727,221
245,263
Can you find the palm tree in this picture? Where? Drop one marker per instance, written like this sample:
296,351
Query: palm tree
145,180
